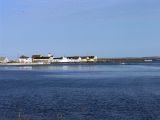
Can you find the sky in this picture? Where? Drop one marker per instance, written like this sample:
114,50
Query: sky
105,28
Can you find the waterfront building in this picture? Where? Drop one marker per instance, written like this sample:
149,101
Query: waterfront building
42,59
60,59
24,59
4,60
84,59
74,59
92,58
88,58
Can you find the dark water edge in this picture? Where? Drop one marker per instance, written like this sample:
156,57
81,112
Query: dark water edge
81,92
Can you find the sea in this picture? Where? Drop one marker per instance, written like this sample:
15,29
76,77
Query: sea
102,91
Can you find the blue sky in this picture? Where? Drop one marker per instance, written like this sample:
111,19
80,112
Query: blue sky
106,28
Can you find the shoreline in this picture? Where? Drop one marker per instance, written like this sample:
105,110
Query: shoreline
95,61
71,63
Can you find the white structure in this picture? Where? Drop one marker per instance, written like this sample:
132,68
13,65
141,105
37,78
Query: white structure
60,59
24,59
4,60
50,55
74,59
67,59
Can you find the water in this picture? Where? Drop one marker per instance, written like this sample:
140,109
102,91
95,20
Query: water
80,92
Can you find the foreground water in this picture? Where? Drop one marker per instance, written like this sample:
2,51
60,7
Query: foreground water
80,92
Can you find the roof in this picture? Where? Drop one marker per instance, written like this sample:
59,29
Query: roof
74,57
84,57
41,57
59,58
35,56
23,57
91,57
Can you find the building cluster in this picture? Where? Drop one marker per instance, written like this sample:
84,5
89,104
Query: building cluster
39,59
49,59
4,60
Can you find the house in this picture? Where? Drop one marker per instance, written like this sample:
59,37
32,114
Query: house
60,59
4,60
24,59
88,58
67,59
74,59
92,58
84,59
42,59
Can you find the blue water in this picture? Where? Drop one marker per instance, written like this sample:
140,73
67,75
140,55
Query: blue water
80,92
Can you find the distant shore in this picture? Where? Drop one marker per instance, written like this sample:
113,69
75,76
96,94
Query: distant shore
98,61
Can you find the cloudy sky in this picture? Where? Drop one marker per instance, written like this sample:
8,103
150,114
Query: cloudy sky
106,28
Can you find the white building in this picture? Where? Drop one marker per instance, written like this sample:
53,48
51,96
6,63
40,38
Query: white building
4,60
74,59
24,59
67,59
60,59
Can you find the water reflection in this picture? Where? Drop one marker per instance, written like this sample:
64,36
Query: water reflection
51,67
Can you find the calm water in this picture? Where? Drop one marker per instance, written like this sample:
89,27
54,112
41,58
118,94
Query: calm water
81,92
